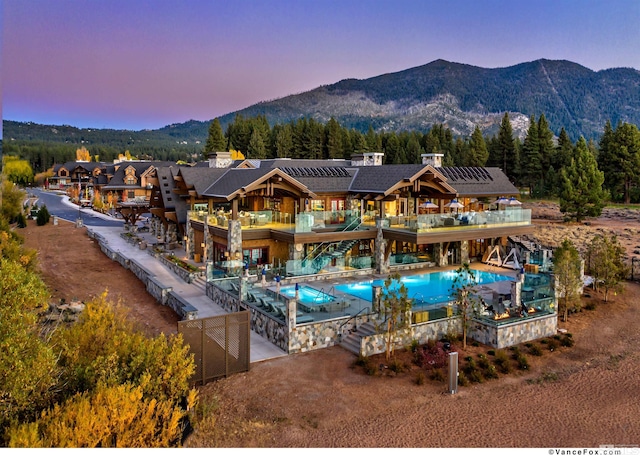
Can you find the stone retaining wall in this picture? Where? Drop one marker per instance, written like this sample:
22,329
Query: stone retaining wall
421,332
185,275
163,294
181,307
322,334
502,336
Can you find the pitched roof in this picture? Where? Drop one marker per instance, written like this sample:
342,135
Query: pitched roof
200,178
476,181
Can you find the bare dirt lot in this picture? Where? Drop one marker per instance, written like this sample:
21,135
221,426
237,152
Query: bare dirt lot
582,396
73,267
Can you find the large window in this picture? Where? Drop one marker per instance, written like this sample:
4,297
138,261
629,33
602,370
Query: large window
256,256
317,205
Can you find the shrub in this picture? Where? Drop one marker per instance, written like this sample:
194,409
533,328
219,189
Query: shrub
490,371
552,344
523,363
491,352
396,366
483,362
438,375
462,379
535,350
420,378
21,220
119,416
476,376
432,356
591,305
567,342
43,216
414,346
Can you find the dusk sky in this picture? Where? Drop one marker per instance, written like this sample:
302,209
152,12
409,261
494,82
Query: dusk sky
136,64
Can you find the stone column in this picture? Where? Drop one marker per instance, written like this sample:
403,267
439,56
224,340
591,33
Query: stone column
208,245
291,313
439,256
516,293
464,252
382,263
190,247
234,237
376,296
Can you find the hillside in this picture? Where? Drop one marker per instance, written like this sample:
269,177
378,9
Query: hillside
456,95
461,96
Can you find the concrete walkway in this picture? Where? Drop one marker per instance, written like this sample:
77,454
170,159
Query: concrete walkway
194,293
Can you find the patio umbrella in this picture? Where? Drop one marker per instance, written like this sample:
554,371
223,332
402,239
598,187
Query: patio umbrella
428,205
454,204
501,200
514,202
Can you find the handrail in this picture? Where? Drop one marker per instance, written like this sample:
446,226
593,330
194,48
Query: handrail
351,318
308,257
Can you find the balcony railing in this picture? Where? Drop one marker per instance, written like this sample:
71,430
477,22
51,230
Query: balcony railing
312,220
427,223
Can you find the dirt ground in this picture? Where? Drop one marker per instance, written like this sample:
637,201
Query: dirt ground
73,267
582,396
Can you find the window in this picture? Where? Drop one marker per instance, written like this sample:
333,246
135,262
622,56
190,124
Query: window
131,194
130,180
256,257
317,205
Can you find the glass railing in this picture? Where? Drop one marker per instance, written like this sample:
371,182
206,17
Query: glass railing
325,264
312,220
428,222
409,258
199,216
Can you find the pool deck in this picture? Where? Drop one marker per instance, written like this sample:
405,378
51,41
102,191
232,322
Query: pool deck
347,304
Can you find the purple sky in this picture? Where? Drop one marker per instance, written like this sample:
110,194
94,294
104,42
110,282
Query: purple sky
138,64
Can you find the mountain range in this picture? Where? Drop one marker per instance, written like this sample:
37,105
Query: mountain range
459,96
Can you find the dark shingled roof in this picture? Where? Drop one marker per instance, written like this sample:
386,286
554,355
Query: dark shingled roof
475,181
298,163
117,181
201,178
234,179
378,179
166,182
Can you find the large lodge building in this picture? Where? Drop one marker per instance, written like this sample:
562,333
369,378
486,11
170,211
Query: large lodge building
311,216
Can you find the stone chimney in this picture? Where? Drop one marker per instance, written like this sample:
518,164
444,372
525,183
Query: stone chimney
367,159
434,160
219,159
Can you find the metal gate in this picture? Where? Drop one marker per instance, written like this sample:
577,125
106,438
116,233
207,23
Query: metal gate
220,345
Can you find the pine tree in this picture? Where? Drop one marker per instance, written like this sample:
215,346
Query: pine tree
478,153
284,141
256,148
581,192
216,141
506,149
547,150
531,166
333,134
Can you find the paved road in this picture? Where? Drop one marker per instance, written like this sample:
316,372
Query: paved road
60,206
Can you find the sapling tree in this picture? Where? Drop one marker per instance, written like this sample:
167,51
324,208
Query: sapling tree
467,303
396,305
566,268
606,263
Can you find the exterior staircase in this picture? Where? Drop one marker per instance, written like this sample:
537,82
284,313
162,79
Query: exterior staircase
352,341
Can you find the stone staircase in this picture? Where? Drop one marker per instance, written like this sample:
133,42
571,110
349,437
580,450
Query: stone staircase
201,283
352,341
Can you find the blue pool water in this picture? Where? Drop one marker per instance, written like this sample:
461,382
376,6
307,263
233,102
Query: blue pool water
307,295
424,289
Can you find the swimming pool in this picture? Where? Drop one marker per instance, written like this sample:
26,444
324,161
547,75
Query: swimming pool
424,289
307,295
